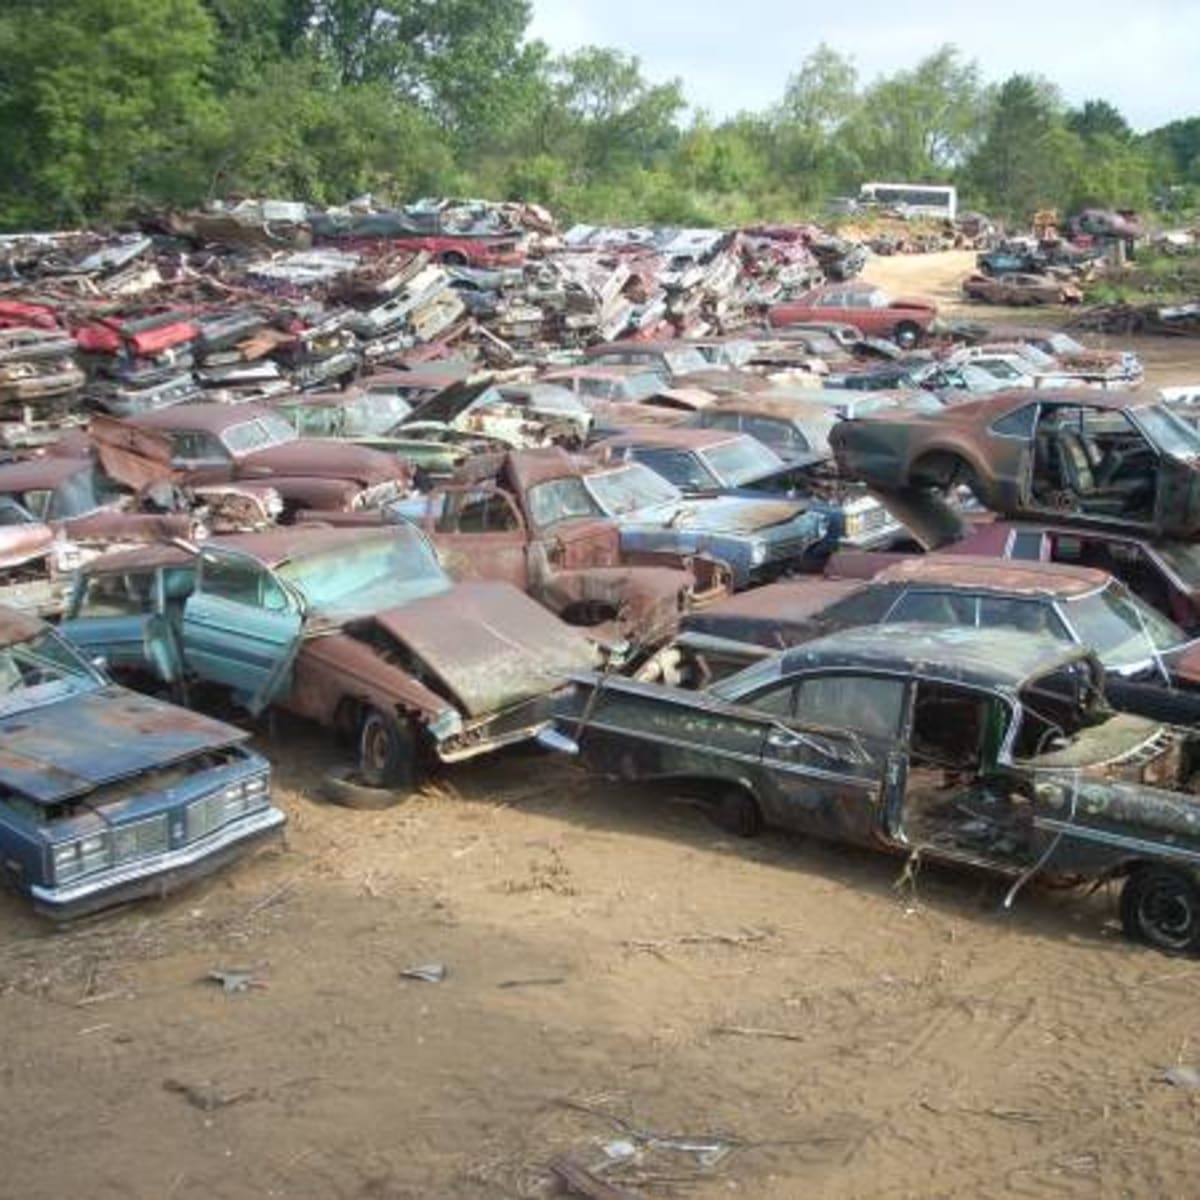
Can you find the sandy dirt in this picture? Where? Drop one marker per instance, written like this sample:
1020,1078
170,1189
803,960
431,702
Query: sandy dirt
769,1019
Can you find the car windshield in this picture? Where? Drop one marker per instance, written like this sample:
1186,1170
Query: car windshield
998,367
564,499
629,488
40,670
740,460
1170,433
1183,559
264,431
1063,343
368,574
683,359
375,412
1120,627
1039,358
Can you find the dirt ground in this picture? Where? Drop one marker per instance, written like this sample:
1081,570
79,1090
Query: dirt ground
624,983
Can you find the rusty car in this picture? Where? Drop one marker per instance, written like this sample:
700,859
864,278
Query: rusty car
986,749
1020,288
1102,458
358,630
107,795
251,447
905,320
490,525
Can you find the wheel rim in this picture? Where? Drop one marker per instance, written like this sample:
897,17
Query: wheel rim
1167,912
374,750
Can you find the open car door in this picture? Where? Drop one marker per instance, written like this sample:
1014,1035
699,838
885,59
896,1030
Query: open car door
242,627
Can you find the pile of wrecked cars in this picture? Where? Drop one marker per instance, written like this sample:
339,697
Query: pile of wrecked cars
442,482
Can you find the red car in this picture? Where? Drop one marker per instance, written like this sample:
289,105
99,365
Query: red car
905,320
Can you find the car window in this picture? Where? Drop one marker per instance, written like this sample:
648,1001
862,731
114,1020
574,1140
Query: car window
1019,424
117,594
930,607
1027,546
684,469
477,512
778,700
193,446
11,513
243,582
832,300
721,420
562,499
776,434
1027,616
38,502
867,606
863,703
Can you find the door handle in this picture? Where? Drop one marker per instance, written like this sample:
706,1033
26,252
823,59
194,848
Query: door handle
782,740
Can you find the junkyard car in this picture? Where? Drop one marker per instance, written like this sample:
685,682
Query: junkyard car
1072,357
349,414
359,630
713,462
904,320
1104,457
494,526
984,748
106,795
247,445
1021,289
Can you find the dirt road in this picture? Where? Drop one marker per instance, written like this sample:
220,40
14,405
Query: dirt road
770,1019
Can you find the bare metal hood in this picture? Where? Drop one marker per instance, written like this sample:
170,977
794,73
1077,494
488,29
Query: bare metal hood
489,644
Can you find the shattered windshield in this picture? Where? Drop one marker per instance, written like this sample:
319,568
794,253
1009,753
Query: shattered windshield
630,488
367,575
562,499
261,433
1123,630
740,460
1170,433
41,670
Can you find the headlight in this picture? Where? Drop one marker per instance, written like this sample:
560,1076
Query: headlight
758,552
854,524
81,857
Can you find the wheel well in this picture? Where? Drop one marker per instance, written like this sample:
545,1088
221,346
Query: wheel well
586,613
710,789
939,468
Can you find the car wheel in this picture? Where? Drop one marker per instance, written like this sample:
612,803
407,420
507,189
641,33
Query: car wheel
737,812
907,334
385,751
1161,906
344,786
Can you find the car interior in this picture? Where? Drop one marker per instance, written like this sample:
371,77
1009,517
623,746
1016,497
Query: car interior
954,802
1094,462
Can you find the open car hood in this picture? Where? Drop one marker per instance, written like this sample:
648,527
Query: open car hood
71,746
489,644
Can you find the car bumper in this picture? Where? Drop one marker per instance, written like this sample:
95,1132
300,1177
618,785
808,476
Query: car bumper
158,875
521,723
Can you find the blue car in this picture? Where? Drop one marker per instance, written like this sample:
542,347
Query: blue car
107,795
714,466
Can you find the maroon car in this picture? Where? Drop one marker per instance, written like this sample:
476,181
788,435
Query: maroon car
905,320
213,444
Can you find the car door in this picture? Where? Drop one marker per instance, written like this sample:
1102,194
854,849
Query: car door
242,627
479,534
832,758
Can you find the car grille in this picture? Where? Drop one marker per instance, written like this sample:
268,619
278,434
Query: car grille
140,839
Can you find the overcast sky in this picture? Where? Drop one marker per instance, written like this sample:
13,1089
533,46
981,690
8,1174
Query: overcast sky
1142,55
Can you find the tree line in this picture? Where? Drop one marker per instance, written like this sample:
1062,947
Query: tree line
110,106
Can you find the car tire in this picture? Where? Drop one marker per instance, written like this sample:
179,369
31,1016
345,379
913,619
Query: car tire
343,786
385,750
906,335
736,811
1161,907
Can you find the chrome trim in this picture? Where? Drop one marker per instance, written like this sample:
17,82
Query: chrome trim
1104,837
96,885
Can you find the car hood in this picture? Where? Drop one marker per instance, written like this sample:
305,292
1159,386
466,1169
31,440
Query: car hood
313,459
717,514
500,648
71,746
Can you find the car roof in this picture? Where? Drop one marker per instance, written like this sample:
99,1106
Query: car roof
682,437
211,418
271,547
17,626
988,658
40,473
764,404
975,572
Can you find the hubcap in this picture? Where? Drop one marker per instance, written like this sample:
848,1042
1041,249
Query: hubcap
1167,912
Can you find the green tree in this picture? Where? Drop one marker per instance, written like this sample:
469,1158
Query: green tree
97,100
1099,118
